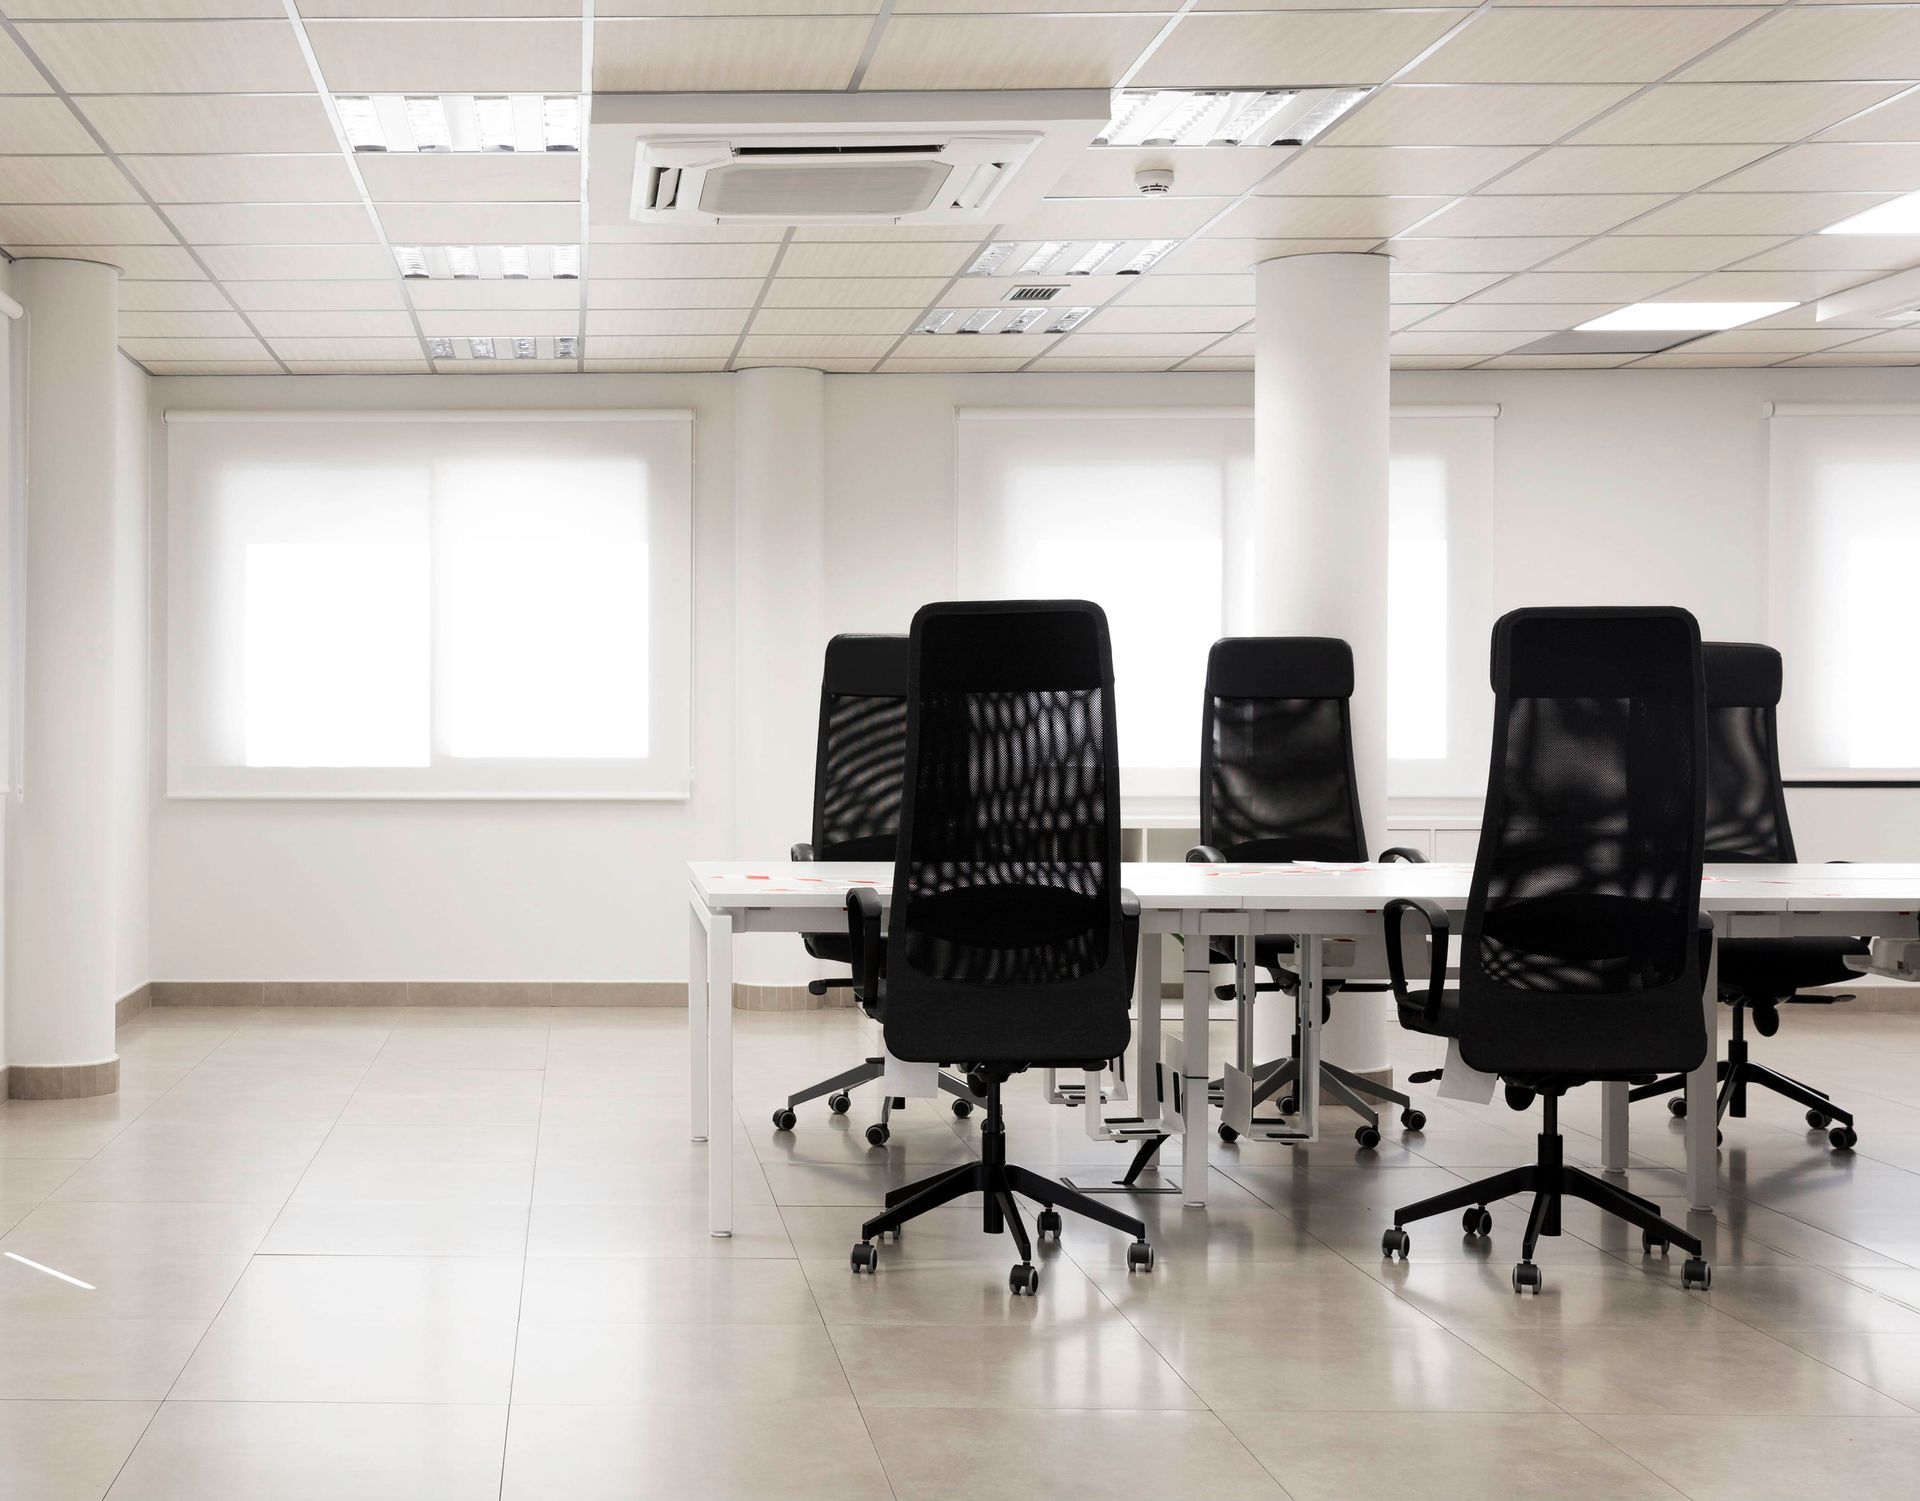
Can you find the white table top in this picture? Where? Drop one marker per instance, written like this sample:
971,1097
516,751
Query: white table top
1173,885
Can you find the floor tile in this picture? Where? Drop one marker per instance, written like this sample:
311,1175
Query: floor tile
94,1360
56,1233
666,1290
67,1451
1772,1458
676,1364
397,1229
122,1287
1104,1364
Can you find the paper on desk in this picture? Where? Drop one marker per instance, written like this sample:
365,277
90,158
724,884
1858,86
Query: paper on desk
1461,1081
912,1081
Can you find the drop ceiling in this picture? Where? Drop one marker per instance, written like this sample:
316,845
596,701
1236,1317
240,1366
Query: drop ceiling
1529,166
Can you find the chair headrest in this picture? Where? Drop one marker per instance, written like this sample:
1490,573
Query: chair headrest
1741,675
1280,667
867,666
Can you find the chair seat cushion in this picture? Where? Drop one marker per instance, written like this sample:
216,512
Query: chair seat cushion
1267,952
835,948
1772,968
1446,1020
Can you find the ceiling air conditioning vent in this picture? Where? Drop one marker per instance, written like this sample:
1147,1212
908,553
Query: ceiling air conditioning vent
1033,294
718,159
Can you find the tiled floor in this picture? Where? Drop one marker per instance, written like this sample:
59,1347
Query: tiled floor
406,1255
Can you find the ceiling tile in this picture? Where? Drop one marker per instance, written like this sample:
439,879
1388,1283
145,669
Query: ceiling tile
333,323
195,349
643,367
694,234
645,321
1548,215
1227,256
450,296
1429,286
463,56
703,261
171,297
1106,345
1108,172
210,367
1106,362
1472,114
1434,361
850,346
1772,286
314,296
182,325
42,125
1114,219
68,224
1417,343
841,291
1147,318
945,346
1661,252
1360,170
171,57
1614,287
1557,361
500,322
1498,317
1405,314
793,7
1767,113
1325,47
1006,51
1821,42
1844,357
1838,253
1312,218
1550,44
169,262
518,177
884,233
244,179
360,367
875,260
1422,253
63,179
1836,168
141,10
710,55
677,348
795,322
17,72
1902,340
729,291
1896,120
272,223
1207,362
977,366
1161,289
1625,169
211,122
503,367
814,362
1773,340
480,223
347,349
1755,213
297,262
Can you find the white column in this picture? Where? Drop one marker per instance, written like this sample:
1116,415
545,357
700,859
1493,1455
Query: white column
60,880
1314,535
779,630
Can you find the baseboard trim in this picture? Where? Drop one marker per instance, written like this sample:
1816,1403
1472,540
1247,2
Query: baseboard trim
62,1081
475,993
130,1005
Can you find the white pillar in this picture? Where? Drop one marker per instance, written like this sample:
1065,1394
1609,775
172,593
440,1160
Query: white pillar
779,630
1314,535
60,880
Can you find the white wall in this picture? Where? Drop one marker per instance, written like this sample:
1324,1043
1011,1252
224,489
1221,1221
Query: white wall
131,762
1614,487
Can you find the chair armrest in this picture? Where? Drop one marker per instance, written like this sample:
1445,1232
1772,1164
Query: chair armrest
801,854
1205,854
864,942
1130,934
1400,854
1440,931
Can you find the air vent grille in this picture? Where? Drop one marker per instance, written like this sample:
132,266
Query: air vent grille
1033,294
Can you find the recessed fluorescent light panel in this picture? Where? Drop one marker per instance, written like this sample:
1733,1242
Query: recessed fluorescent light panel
454,123
1897,216
504,351
488,262
1068,257
1003,320
1224,117
1703,317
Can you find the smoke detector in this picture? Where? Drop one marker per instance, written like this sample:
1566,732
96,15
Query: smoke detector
1154,180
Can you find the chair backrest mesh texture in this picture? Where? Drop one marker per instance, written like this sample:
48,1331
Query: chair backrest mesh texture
1746,801
1580,954
858,769
1005,941
1276,750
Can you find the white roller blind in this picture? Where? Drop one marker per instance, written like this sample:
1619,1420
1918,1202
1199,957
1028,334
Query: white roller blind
429,604
1844,550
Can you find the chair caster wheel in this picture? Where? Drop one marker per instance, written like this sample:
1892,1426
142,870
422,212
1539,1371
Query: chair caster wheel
784,1119
865,1258
1287,1104
1227,1133
1048,1227
877,1134
1696,1273
1368,1138
1024,1280
1139,1257
1677,1109
840,1104
1818,1121
1649,1243
962,1109
816,987
1477,1221
1719,1138
1527,1278
1844,1138
1766,1020
1414,1120
1396,1242
1518,1097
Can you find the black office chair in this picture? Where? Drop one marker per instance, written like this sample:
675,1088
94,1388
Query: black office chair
1011,945
1582,954
1277,784
856,816
1747,822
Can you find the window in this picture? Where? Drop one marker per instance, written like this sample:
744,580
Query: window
1844,542
462,604
1131,509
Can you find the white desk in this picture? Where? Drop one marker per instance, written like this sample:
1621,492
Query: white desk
1201,901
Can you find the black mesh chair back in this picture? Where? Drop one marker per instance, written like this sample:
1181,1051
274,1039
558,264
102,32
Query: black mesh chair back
1276,751
1580,953
1746,801
858,768
1005,941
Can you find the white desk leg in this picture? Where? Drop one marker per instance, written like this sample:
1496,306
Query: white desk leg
1307,998
1613,1128
720,1075
697,1018
1196,993
1146,1053
1703,1122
